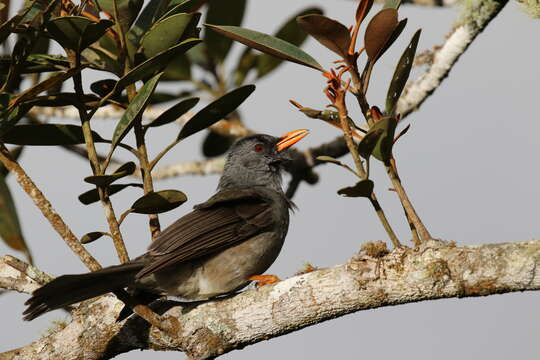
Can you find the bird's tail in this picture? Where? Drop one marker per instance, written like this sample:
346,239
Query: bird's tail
70,289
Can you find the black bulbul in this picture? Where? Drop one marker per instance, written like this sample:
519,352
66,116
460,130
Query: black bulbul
216,249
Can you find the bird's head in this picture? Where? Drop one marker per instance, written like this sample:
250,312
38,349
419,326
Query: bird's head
258,160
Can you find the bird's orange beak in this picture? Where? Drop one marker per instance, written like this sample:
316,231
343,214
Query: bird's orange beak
291,138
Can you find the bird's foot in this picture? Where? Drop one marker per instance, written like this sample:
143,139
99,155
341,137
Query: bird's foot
262,280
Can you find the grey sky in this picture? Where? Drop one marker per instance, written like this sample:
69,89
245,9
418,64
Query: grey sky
469,163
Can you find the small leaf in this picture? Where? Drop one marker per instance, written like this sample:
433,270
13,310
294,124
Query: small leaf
229,12
91,237
134,109
155,64
401,74
267,44
103,87
368,142
153,11
362,188
92,196
329,32
216,144
329,159
394,4
47,135
378,32
216,111
10,228
105,180
363,9
77,32
174,112
164,34
159,202
383,148
128,10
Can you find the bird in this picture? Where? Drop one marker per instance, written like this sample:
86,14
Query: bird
216,249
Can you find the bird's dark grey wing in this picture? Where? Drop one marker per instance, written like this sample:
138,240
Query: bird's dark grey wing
225,219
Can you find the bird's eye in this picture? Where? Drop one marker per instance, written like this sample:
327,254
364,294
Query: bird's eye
258,148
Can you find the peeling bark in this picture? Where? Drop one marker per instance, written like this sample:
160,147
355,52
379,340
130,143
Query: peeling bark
373,278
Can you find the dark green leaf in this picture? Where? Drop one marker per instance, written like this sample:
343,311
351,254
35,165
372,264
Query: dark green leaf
379,31
216,144
103,87
179,69
128,10
134,110
101,60
62,99
290,32
216,111
91,237
92,196
10,228
9,118
267,44
174,112
164,34
153,10
105,180
329,32
248,61
368,142
401,74
221,12
46,135
77,32
182,6
159,202
383,148
7,27
362,188
155,64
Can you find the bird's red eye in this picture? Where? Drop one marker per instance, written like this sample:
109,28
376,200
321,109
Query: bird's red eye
258,148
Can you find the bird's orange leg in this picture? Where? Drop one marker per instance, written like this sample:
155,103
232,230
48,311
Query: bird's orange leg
264,279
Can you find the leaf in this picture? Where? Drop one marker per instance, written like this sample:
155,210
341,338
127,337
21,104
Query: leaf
215,144
329,159
364,6
394,4
368,142
153,10
179,69
268,44
378,32
9,118
7,27
362,188
100,59
401,74
216,111
77,32
174,112
91,237
103,87
47,135
105,180
329,32
164,34
128,10
92,196
155,64
134,110
159,202
10,228
182,6
383,148
229,12
290,32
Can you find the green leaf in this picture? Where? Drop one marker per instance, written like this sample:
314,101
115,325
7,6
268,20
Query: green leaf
329,32
105,180
401,74
9,118
159,202
362,188
179,69
35,64
379,31
128,10
155,64
134,110
215,144
92,196
268,44
77,32
103,87
368,142
164,34
394,4
102,60
229,12
47,135
153,10
91,237
290,32
182,6
174,112
63,99
383,148
10,228
216,111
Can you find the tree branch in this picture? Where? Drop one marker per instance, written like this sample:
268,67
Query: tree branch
373,278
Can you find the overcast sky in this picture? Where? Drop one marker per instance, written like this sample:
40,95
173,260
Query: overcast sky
469,162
